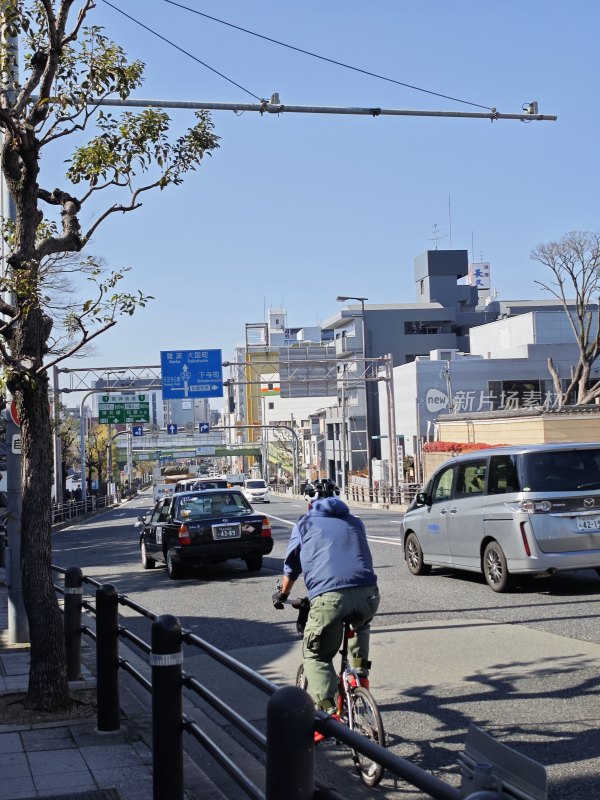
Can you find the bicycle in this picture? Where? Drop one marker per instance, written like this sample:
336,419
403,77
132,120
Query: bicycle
356,706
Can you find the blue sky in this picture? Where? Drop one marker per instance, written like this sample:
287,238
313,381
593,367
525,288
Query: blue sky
297,209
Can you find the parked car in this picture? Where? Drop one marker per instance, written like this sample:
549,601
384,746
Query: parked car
529,510
208,526
256,491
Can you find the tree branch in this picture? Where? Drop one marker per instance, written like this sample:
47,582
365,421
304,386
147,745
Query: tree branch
88,337
131,207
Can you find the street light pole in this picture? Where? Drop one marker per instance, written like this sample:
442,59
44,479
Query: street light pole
361,300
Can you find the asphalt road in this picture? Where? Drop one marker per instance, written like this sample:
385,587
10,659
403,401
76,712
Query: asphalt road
446,650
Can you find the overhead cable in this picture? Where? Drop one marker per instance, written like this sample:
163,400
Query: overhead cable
324,58
185,52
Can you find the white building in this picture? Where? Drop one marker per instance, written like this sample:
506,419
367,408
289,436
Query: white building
507,368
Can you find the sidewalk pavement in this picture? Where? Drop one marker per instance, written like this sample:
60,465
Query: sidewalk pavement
70,759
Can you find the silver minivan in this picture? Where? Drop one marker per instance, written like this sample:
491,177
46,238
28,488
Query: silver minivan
529,509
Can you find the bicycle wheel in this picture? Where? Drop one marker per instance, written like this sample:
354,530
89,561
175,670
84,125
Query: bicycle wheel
301,681
364,718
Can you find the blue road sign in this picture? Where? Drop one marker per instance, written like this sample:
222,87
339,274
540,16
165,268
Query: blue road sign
191,373
137,430
203,427
172,428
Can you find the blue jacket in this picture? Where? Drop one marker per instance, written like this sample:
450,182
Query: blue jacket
329,545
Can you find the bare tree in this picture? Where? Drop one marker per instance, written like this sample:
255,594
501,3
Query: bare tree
574,262
68,68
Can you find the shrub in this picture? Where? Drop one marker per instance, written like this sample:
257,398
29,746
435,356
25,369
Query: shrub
457,447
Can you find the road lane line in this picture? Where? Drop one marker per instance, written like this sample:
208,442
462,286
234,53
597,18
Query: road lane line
379,539
280,519
382,540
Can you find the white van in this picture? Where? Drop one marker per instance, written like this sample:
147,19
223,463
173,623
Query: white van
256,491
529,509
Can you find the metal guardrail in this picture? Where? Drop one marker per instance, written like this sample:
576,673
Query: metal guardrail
361,494
291,716
382,494
73,509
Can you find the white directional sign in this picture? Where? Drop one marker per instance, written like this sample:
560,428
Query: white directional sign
172,428
203,427
137,430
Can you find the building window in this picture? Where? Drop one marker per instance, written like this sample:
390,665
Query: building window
411,328
271,406
422,286
509,395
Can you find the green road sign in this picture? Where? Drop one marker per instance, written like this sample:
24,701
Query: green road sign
119,409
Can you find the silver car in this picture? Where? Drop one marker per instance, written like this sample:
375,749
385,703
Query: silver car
530,509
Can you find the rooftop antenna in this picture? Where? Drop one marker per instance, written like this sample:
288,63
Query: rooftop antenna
450,219
437,234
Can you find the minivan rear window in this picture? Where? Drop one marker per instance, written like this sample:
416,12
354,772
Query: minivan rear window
503,476
561,470
256,485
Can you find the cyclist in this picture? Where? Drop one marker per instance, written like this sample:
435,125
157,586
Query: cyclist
321,488
329,546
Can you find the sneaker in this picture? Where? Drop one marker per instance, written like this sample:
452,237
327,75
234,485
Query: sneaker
363,681
319,737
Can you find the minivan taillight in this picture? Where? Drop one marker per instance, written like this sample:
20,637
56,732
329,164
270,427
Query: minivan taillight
524,537
266,528
530,506
184,535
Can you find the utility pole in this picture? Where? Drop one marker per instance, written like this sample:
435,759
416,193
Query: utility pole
361,300
18,626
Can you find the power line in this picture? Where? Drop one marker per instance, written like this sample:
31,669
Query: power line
177,47
324,58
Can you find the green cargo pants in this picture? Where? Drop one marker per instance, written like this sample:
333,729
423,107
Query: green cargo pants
323,637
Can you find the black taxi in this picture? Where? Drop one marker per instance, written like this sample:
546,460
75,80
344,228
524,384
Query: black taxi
204,527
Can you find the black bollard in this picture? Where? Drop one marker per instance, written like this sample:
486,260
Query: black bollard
72,620
166,661
290,745
107,658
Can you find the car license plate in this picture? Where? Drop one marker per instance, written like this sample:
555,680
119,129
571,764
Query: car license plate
589,524
226,531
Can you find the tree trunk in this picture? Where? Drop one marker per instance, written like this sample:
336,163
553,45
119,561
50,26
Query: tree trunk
48,686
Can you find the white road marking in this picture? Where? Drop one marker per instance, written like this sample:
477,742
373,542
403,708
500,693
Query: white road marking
280,519
296,505
379,539
382,540
399,521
